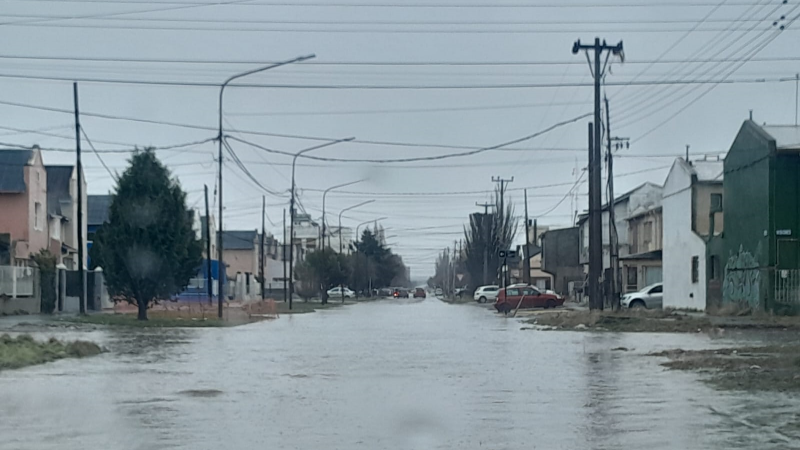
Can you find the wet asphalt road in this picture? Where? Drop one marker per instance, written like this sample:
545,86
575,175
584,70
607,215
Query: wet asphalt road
392,374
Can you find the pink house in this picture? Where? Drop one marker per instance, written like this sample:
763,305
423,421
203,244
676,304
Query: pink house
23,206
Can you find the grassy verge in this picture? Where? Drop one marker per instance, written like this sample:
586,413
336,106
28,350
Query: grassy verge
769,368
154,320
458,301
623,321
24,351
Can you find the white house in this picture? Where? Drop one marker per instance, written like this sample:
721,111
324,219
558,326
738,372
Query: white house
689,191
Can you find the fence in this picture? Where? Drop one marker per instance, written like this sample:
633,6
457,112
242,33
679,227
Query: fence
18,281
787,286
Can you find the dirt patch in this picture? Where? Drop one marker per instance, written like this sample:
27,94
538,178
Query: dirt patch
768,368
623,321
24,351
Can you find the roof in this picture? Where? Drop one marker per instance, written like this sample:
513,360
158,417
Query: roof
97,207
787,137
12,170
239,239
706,171
639,212
58,181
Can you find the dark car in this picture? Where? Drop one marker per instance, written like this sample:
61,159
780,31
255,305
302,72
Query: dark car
526,297
400,293
419,293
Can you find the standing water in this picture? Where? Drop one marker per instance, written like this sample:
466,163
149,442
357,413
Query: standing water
381,375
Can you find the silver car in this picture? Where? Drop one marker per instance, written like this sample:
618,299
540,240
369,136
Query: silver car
651,297
486,293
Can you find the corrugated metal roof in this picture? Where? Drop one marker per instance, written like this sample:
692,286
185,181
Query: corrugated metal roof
12,170
708,170
97,207
58,180
787,137
239,239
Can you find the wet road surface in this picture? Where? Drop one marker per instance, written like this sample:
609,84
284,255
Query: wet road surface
393,374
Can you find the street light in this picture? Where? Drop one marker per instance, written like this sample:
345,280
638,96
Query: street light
324,194
340,219
220,264
291,210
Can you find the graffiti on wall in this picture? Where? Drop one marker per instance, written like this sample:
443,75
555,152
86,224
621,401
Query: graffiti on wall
742,278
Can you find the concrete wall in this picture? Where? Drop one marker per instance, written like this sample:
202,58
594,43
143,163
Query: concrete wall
681,244
241,261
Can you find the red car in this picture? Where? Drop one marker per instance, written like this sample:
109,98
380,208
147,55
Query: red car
419,293
528,296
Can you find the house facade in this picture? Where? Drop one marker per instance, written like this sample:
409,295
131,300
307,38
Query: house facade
561,258
24,229
693,193
762,197
642,265
62,212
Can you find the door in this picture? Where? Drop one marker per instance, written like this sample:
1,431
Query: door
513,297
532,298
655,298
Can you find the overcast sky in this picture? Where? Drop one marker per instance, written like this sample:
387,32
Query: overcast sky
667,44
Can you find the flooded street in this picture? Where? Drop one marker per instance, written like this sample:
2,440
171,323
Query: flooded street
383,375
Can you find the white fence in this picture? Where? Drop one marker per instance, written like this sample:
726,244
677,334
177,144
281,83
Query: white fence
18,281
787,286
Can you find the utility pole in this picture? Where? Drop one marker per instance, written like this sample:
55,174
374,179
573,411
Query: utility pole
79,168
283,257
486,241
613,236
209,276
595,207
796,96
455,255
261,253
527,265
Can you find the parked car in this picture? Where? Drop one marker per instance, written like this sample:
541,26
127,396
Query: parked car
438,292
419,293
526,297
385,292
337,292
650,297
400,293
486,293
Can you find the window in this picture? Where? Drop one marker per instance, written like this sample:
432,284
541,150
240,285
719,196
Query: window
512,292
695,269
37,216
657,290
715,267
632,277
716,202
647,237
530,291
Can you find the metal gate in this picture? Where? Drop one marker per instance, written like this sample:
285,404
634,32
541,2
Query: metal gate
787,286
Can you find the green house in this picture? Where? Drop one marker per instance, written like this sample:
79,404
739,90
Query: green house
761,207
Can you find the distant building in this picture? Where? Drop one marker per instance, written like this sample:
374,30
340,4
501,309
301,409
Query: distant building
23,202
561,258
642,265
62,212
690,191
761,208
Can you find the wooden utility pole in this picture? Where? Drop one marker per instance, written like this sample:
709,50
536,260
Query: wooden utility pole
527,264
261,253
209,276
79,168
500,220
595,190
283,257
615,283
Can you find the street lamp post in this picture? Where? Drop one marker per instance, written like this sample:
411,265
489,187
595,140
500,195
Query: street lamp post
220,264
365,255
292,212
324,194
340,219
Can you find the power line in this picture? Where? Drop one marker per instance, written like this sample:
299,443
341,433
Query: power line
618,4
96,153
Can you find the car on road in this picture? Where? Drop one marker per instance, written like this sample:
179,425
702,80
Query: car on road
400,293
337,292
650,297
419,293
486,293
438,292
525,296
460,292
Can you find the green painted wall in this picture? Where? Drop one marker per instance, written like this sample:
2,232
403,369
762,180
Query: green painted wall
746,207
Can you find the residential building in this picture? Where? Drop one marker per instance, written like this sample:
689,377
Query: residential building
62,212
335,234
23,202
693,191
642,198
96,215
642,265
762,198
200,228
560,257
539,278
240,252
306,235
